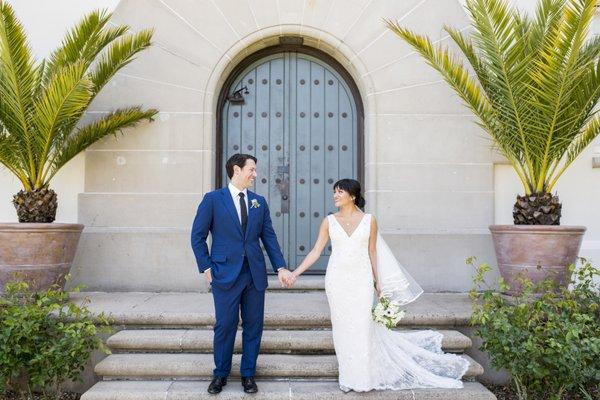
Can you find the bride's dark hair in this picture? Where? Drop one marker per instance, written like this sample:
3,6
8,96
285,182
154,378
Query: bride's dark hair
351,186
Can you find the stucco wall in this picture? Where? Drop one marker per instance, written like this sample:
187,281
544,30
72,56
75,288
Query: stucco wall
431,178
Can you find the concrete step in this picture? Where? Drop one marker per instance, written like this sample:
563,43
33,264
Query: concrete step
283,310
273,341
271,390
167,366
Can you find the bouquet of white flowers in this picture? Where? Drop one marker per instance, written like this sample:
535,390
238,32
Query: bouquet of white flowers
387,313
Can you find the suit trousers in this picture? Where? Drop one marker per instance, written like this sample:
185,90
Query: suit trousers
242,298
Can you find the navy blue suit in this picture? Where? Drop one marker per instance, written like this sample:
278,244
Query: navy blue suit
239,272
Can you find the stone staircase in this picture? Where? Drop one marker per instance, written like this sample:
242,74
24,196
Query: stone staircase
166,353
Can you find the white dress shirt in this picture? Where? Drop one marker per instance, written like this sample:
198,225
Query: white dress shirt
236,199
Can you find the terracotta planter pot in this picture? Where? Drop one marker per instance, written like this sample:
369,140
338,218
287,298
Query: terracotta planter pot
537,251
42,254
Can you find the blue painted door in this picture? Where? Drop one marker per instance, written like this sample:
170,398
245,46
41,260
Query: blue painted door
299,118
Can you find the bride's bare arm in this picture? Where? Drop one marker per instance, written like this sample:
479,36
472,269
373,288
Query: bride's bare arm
316,251
373,251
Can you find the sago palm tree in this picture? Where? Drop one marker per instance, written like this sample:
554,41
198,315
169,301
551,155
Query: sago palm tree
533,82
42,103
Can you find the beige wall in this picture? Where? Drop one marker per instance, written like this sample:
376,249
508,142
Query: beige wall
138,216
430,175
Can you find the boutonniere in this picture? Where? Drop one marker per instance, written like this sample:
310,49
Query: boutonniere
254,204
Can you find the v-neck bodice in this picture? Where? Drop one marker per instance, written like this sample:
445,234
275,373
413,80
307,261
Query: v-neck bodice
356,242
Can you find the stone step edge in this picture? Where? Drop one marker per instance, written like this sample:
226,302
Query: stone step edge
186,340
273,390
192,366
281,321
150,309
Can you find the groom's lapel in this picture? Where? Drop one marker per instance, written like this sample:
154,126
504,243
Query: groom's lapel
228,201
251,211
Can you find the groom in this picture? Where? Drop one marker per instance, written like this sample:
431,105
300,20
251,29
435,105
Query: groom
235,268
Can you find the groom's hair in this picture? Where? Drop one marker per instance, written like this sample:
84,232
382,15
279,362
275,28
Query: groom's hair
239,160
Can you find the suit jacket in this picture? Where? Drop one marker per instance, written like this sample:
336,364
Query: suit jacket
217,214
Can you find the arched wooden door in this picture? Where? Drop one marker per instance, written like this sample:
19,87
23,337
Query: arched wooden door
301,118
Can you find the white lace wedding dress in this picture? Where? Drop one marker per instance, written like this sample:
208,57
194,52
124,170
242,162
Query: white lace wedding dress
369,355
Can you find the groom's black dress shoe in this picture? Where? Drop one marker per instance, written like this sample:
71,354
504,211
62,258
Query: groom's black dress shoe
249,385
217,385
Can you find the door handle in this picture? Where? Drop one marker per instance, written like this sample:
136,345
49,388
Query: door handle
283,184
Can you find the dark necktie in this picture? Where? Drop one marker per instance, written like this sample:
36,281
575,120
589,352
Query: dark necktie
244,212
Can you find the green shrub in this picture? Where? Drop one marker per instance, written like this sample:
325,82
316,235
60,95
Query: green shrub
548,338
44,340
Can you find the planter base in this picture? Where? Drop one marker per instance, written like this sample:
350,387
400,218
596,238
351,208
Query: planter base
537,252
40,254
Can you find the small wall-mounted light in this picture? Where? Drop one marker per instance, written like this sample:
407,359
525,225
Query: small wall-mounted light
236,97
596,157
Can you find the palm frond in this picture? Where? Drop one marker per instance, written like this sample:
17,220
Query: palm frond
77,42
9,156
577,145
17,81
584,99
111,124
63,101
553,75
478,65
495,26
115,55
86,41
486,81
105,38
582,140
540,77
119,54
457,76
41,104
452,71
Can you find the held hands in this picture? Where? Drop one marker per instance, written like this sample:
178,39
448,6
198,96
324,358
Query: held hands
286,278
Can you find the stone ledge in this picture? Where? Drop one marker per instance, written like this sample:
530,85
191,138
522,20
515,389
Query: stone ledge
271,390
201,341
283,310
167,366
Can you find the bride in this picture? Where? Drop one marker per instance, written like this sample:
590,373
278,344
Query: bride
361,265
